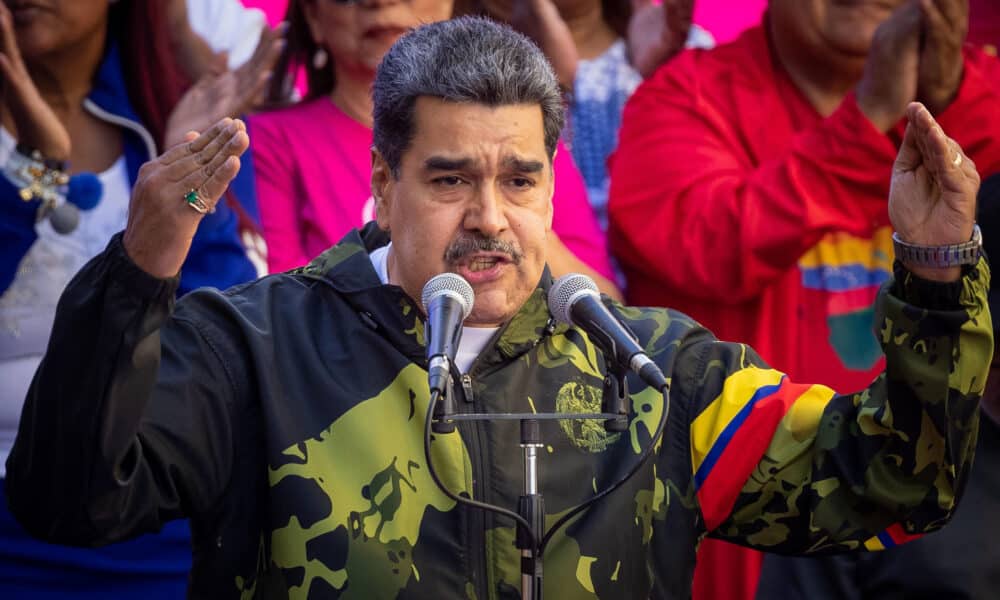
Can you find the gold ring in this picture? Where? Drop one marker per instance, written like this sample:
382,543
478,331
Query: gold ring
958,159
194,200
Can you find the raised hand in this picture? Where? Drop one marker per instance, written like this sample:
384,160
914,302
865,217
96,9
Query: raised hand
889,82
932,199
945,25
226,94
37,125
172,192
656,32
540,20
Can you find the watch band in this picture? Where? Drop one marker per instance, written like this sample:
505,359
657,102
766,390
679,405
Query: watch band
940,257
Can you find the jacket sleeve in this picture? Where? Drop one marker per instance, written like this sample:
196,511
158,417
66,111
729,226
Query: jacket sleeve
792,468
278,196
17,231
127,422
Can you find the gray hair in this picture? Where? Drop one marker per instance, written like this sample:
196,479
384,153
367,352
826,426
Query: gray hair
466,60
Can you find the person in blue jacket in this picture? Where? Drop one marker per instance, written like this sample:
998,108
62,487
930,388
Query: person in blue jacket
91,91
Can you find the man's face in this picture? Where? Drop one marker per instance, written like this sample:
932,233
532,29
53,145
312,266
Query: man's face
833,26
474,197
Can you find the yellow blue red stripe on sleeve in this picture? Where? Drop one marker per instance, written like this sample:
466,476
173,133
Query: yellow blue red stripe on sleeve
732,433
893,536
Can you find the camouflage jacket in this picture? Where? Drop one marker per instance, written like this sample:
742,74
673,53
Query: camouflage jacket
285,418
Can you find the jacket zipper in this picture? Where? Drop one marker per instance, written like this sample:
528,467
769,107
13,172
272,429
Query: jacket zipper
141,131
478,519
473,431
467,388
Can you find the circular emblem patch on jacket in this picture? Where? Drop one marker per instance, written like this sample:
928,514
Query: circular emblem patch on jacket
589,434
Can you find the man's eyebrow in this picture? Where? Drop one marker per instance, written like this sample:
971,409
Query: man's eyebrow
442,163
521,165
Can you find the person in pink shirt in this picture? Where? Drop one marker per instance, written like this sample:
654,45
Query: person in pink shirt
313,160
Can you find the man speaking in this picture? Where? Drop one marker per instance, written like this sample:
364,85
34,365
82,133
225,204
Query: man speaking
286,417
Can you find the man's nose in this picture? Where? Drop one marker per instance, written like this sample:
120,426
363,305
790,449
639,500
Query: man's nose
486,212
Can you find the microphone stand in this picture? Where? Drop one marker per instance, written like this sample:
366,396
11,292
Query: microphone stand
530,517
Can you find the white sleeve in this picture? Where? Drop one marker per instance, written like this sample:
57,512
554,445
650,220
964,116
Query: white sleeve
227,25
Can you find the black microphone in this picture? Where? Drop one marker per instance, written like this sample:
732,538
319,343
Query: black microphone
448,300
575,300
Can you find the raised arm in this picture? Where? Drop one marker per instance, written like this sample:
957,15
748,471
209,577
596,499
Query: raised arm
800,469
115,439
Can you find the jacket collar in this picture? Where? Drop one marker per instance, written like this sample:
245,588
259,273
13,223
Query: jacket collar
109,100
347,268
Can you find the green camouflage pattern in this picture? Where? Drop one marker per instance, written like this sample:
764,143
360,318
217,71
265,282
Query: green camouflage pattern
355,513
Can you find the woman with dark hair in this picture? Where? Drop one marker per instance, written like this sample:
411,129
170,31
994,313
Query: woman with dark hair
91,91
313,159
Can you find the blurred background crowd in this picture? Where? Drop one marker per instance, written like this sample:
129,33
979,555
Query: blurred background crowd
728,159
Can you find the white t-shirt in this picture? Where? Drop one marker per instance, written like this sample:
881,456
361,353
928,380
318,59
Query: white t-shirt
28,306
474,339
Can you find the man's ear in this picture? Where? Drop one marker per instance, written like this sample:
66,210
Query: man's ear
381,184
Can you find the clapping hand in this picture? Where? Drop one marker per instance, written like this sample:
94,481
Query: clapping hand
916,54
175,190
945,26
540,20
37,125
932,199
226,93
656,32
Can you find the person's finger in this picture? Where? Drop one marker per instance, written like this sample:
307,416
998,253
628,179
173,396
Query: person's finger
201,160
902,24
9,43
192,161
219,63
270,45
236,146
947,157
195,144
923,125
910,156
936,26
210,189
6,69
220,179
954,13
250,77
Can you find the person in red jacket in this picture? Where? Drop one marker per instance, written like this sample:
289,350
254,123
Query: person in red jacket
748,185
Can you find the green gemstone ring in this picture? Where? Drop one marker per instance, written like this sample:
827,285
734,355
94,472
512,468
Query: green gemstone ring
194,201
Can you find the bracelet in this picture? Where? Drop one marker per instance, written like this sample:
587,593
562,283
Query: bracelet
940,257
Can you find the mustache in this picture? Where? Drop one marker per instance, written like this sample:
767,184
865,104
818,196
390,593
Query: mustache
471,244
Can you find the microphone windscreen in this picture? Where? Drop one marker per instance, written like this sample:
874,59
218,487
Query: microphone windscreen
85,190
64,218
450,284
565,291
